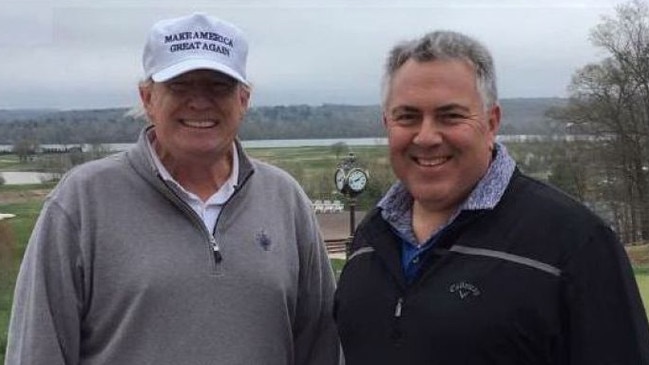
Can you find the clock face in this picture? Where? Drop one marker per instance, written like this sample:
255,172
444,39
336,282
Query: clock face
356,180
340,179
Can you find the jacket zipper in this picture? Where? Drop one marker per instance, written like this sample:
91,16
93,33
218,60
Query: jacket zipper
218,257
396,329
215,250
169,191
397,308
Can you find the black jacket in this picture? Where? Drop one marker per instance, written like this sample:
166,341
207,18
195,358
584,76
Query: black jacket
537,280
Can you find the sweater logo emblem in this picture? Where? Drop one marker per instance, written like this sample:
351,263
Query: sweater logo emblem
464,289
263,240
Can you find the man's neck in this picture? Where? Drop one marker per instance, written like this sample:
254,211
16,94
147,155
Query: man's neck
427,221
200,175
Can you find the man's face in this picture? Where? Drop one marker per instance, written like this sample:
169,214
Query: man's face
440,137
196,114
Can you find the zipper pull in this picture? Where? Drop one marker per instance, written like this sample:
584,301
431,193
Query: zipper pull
397,309
217,254
215,249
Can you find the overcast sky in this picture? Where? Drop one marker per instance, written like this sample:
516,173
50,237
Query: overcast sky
87,53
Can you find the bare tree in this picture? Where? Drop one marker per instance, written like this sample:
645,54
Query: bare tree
338,148
609,101
24,149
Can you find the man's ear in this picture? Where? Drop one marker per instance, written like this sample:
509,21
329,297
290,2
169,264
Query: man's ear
145,97
244,97
493,124
494,119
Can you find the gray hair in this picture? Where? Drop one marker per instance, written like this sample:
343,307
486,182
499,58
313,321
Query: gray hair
445,45
138,111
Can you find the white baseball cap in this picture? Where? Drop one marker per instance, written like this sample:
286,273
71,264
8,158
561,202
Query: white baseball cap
198,41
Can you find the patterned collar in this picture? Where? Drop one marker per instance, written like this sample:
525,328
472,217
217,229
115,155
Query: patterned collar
396,205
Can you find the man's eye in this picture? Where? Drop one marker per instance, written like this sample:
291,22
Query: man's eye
453,117
222,85
177,86
406,118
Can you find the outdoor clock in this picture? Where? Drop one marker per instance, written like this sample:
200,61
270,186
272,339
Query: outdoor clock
339,178
356,180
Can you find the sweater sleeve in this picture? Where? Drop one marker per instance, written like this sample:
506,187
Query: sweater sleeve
314,331
45,321
607,323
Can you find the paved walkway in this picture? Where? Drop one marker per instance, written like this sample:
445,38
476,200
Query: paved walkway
338,255
335,226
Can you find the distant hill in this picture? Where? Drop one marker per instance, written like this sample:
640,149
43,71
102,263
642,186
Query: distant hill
23,114
520,116
70,126
527,115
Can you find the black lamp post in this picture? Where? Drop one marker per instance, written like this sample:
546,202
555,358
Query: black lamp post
352,215
351,180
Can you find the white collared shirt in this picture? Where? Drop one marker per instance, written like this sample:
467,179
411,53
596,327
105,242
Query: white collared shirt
210,209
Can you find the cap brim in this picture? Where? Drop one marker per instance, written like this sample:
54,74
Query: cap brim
195,64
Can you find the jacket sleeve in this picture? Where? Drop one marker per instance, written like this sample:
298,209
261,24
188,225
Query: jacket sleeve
607,323
45,321
314,331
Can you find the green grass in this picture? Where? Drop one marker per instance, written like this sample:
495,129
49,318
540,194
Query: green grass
643,285
337,266
641,271
8,162
23,223
14,234
316,157
27,187
5,305
12,163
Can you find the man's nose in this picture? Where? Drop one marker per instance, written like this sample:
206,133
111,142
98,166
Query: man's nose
200,98
429,132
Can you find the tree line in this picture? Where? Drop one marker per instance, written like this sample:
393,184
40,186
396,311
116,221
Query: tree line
117,125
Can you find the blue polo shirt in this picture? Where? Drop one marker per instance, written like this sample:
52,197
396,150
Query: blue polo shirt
396,209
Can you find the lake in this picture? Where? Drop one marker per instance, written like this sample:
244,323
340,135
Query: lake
264,143
373,141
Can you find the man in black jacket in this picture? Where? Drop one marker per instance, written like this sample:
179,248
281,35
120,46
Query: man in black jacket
466,260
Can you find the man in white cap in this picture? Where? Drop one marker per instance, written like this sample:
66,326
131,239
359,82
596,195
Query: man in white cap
182,250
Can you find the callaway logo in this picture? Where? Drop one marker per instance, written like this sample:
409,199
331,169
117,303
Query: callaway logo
464,289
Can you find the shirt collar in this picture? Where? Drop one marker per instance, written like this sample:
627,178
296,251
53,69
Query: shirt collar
397,203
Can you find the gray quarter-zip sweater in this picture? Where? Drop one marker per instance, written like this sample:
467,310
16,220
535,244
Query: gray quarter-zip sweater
119,270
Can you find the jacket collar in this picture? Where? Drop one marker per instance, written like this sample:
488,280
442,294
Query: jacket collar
396,205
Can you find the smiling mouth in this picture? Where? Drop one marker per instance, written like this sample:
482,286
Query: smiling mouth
198,123
431,162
